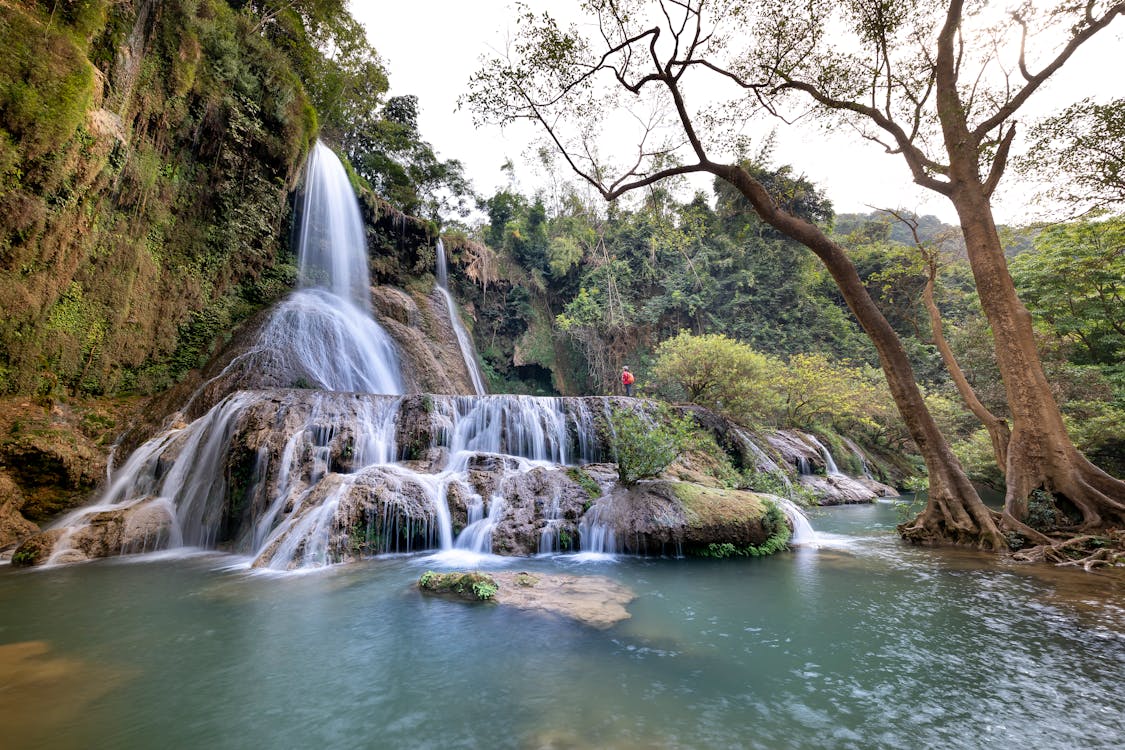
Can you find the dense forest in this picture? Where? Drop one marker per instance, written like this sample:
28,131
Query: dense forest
150,152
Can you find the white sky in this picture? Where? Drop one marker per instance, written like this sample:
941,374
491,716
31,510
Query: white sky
431,47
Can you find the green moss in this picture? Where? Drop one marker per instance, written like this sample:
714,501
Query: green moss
711,506
23,558
123,265
585,481
774,523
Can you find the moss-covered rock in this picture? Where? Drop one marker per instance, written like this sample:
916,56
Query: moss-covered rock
474,586
146,152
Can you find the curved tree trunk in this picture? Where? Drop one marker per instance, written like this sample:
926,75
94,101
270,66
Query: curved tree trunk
954,512
997,428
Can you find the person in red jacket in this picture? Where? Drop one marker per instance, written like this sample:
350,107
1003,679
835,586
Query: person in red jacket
627,380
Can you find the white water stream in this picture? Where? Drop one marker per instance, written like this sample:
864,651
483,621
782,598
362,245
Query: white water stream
468,354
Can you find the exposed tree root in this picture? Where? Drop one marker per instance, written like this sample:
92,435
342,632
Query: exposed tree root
1087,550
1064,549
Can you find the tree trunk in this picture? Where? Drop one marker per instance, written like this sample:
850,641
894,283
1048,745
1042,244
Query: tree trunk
954,512
1040,452
997,428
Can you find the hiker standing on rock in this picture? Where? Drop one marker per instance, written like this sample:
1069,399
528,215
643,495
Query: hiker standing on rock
627,380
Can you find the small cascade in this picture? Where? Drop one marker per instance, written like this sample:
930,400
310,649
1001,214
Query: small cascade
829,464
855,449
802,530
463,340
549,541
596,535
527,427
477,536
804,468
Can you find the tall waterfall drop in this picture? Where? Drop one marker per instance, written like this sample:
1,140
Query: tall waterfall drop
323,336
463,340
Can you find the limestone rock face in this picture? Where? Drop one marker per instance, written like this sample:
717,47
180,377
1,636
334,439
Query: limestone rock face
13,526
146,526
665,517
596,601
297,478
838,489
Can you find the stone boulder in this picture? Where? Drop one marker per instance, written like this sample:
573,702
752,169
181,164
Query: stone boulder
146,526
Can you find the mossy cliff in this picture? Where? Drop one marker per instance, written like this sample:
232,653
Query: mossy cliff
147,151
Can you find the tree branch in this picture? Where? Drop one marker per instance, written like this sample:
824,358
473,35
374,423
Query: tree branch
1094,25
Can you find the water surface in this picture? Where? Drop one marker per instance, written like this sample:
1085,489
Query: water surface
858,643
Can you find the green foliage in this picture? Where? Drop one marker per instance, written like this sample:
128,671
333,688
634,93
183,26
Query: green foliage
125,261
976,457
1074,281
645,444
1080,153
1042,512
721,374
387,150
485,590
585,481
818,391
475,586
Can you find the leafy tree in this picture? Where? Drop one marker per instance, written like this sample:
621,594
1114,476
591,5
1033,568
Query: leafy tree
645,444
721,374
1080,152
388,151
937,84
818,391
1074,280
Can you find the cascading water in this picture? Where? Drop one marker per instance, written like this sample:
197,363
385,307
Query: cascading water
323,336
463,340
859,454
303,478
331,247
802,530
829,464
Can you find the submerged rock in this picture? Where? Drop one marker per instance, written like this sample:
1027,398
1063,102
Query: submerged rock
473,587
596,601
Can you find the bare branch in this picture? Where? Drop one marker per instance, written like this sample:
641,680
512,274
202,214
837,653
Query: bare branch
1093,26
920,165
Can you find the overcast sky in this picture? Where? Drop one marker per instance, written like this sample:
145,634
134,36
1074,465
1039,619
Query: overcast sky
431,47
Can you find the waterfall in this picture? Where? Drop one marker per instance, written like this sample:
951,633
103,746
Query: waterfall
332,246
477,536
855,449
322,335
528,427
463,341
829,464
802,530
595,535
